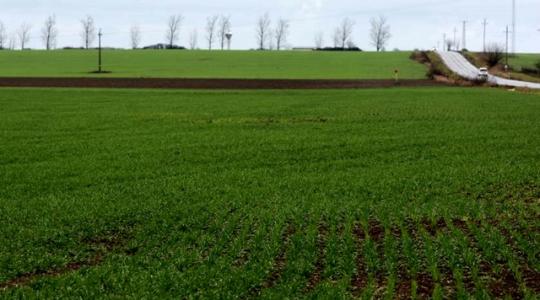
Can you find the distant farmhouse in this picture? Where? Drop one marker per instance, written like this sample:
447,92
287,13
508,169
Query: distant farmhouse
162,46
326,49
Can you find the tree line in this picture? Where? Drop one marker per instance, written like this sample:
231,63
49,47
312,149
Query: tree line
217,31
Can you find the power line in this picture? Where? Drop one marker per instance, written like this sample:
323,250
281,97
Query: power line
507,33
455,38
464,46
514,26
100,34
485,23
444,43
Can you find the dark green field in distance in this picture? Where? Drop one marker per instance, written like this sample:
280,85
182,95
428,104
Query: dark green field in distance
524,60
270,194
214,64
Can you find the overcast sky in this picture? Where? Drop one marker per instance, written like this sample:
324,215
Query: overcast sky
414,23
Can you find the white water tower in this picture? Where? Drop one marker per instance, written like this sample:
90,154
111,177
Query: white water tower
228,35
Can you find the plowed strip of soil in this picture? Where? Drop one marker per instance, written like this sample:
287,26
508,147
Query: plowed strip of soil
377,233
278,266
191,83
360,279
502,284
27,278
316,277
103,245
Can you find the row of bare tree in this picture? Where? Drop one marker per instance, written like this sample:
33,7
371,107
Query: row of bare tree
268,38
216,30
49,34
22,36
342,35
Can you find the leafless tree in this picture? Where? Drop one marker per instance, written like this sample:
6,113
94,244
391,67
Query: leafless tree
263,31
494,54
346,31
193,39
24,35
379,33
49,33
537,65
343,33
271,41
3,36
224,28
12,42
211,23
281,33
449,45
173,29
88,32
319,40
135,36
337,37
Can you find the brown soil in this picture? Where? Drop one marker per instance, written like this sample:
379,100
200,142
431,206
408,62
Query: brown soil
27,278
279,264
376,230
403,288
100,246
531,279
431,228
360,279
425,286
188,83
316,276
505,284
501,284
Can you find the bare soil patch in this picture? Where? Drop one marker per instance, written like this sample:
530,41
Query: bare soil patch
189,83
278,265
100,247
317,274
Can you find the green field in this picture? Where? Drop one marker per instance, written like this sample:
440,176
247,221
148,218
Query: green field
241,194
215,64
524,60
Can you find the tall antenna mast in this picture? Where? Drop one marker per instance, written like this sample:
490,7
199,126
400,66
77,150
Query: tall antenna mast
464,46
444,42
100,34
514,26
507,31
485,23
455,39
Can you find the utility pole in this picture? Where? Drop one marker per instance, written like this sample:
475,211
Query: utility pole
455,38
514,26
444,43
507,33
464,46
100,34
485,23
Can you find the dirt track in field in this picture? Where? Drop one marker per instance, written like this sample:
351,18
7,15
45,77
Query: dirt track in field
162,83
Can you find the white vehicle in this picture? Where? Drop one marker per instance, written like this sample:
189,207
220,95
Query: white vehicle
483,74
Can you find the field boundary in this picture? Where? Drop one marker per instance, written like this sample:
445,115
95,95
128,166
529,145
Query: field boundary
193,83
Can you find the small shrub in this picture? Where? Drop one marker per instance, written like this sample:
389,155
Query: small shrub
493,55
530,71
338,49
